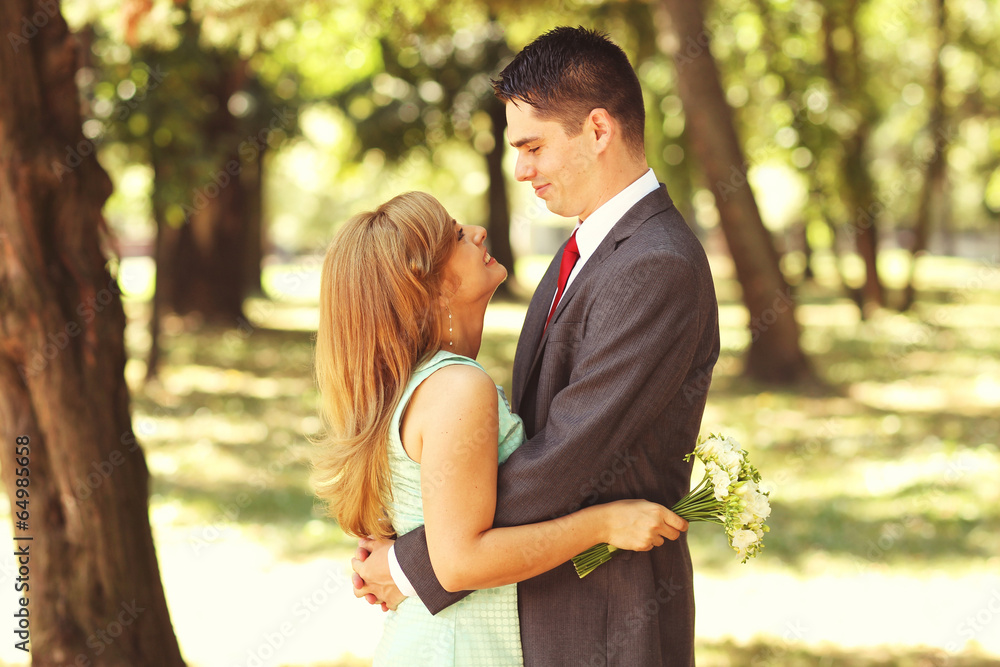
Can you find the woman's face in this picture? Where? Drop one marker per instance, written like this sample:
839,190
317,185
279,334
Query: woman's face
472,273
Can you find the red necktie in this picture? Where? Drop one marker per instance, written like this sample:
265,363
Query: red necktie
570,254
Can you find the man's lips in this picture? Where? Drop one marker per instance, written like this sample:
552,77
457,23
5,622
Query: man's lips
540,189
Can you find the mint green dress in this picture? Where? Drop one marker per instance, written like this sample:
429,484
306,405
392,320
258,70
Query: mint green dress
481,630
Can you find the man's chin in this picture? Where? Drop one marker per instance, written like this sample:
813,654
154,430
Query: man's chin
558,209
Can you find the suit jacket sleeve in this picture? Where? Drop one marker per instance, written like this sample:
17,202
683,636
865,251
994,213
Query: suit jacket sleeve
641,335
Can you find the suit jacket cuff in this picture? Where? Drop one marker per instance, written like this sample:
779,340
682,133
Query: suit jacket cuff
398,576
415,561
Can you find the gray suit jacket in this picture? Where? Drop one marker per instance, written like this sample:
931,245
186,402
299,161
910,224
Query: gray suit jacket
612,396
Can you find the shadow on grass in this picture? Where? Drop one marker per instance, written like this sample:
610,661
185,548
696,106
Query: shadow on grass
807,435
764,654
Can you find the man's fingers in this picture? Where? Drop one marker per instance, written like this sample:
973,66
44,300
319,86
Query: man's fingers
670,532
674,521
361,553
367,543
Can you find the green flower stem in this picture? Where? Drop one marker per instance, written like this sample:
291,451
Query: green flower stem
698,505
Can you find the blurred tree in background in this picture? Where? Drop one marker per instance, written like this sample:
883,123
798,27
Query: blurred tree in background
774,354
435,88
80,485
840,160
824,147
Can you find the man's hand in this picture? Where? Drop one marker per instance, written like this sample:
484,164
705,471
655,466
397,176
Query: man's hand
371,579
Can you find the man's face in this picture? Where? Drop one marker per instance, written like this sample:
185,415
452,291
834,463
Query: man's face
558,166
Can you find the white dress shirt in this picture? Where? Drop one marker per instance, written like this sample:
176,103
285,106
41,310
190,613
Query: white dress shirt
589,234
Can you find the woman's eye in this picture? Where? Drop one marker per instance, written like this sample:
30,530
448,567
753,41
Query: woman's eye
461,233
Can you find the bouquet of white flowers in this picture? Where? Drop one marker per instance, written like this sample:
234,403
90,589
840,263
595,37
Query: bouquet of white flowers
728,495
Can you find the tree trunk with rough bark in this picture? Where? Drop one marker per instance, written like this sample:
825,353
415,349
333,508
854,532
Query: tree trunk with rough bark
774,354
847,77
94,588
935,174
499,205
212,260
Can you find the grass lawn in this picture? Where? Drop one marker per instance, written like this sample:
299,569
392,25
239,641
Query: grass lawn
885,534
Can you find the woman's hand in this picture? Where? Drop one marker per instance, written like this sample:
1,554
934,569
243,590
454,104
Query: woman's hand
372,579
639,525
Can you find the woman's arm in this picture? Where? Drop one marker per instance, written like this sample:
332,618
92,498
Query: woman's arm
451,428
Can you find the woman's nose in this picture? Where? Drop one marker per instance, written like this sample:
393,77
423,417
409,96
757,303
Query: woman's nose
478,233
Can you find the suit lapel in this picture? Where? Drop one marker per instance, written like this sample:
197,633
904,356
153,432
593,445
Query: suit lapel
655,202
531,330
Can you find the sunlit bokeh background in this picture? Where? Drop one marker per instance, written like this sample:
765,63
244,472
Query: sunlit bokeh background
885,537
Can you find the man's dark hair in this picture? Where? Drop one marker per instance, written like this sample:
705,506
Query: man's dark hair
567,73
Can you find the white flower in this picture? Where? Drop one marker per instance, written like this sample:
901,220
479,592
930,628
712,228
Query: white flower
758,505
709,449
720,480
742,540
732,461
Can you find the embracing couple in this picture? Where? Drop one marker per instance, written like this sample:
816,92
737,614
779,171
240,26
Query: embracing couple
488,501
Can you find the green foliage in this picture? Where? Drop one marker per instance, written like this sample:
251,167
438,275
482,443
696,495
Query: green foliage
799,98
912,438
889,471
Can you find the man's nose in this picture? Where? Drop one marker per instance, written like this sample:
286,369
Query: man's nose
523,171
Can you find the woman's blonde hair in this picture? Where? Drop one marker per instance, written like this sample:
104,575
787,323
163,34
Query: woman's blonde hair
380,311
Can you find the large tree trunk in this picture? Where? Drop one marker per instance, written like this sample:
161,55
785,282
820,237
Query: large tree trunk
499,205
94,587
209,260
209,263
202,268
864,210
774,354
933,193
847,79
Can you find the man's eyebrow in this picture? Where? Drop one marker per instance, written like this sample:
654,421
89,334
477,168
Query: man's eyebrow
527,140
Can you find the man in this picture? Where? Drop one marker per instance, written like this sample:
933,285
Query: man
611,371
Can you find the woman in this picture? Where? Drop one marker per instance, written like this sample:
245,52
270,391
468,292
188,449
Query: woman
416,430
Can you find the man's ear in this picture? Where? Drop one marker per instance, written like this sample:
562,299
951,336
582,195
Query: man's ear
602,127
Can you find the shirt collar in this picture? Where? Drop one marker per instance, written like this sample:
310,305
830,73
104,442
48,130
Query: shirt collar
592,231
